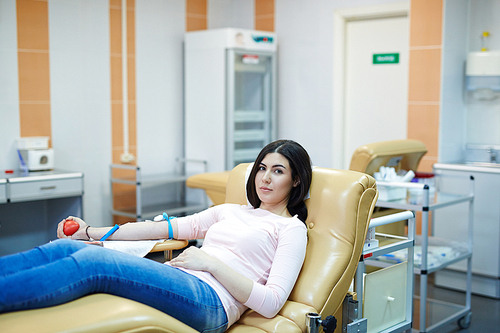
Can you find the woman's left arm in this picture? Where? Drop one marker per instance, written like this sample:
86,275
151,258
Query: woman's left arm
266,299
239,287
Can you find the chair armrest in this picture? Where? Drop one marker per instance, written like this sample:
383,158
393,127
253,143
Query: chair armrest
252,320
169,244
297,312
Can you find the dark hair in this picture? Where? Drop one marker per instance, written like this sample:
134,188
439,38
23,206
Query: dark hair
300,163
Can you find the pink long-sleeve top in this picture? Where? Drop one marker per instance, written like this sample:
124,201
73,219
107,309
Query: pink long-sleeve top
267,248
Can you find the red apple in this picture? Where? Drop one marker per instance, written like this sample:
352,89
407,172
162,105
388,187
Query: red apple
70,227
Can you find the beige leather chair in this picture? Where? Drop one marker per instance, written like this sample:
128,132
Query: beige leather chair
400,154
340,208
213,183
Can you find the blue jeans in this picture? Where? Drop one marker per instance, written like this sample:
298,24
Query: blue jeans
64,270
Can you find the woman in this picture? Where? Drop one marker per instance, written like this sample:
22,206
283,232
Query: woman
250,258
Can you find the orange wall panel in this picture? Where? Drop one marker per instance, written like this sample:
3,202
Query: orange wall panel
131,78
423,120
426,163
196,7
115,28
264,7
34,76
35,119
132,126
123,196
195,23
117,125
426,22
425,75
116,77
33,68
196,15
32,24
264,15
264,24
424,86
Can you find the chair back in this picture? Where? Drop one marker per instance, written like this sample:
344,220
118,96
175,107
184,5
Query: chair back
339,210
400,154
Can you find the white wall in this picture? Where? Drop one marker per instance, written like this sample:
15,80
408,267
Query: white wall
231,14
305,93
483,118
80,102
9,86
452,135
160,27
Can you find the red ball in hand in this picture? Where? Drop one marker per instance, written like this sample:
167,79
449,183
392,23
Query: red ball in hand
70,227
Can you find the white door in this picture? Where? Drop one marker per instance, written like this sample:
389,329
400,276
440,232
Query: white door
376,82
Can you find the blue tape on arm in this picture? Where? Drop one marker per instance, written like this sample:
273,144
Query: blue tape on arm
170,229
109,233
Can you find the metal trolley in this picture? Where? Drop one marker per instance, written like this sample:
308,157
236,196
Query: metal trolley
461,313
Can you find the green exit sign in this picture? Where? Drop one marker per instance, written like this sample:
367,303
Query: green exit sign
386,58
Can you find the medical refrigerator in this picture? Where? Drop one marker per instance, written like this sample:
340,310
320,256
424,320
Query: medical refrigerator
230,95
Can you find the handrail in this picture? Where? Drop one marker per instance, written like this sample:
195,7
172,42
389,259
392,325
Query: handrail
383,220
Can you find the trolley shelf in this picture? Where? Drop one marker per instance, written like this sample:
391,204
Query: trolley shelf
150,211
164,183
442,312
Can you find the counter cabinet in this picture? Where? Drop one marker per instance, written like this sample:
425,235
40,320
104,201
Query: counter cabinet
31,206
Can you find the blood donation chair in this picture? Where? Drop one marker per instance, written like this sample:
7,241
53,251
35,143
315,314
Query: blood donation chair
399,154
340,207
213,183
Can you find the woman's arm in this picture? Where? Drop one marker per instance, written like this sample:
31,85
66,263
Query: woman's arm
268,299
239,287
128,231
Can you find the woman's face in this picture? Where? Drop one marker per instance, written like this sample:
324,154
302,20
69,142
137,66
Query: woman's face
273,183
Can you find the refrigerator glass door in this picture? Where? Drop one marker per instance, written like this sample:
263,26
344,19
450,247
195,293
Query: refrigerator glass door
250,105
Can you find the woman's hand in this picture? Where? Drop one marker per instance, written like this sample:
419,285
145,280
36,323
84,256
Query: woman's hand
79,234
193,258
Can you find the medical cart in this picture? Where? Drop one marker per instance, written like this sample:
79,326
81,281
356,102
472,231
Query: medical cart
425,204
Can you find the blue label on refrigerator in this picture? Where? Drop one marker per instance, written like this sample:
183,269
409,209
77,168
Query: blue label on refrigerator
262,39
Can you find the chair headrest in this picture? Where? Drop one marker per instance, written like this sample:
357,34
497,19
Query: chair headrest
400,154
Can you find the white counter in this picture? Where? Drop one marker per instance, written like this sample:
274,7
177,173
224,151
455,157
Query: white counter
469,166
